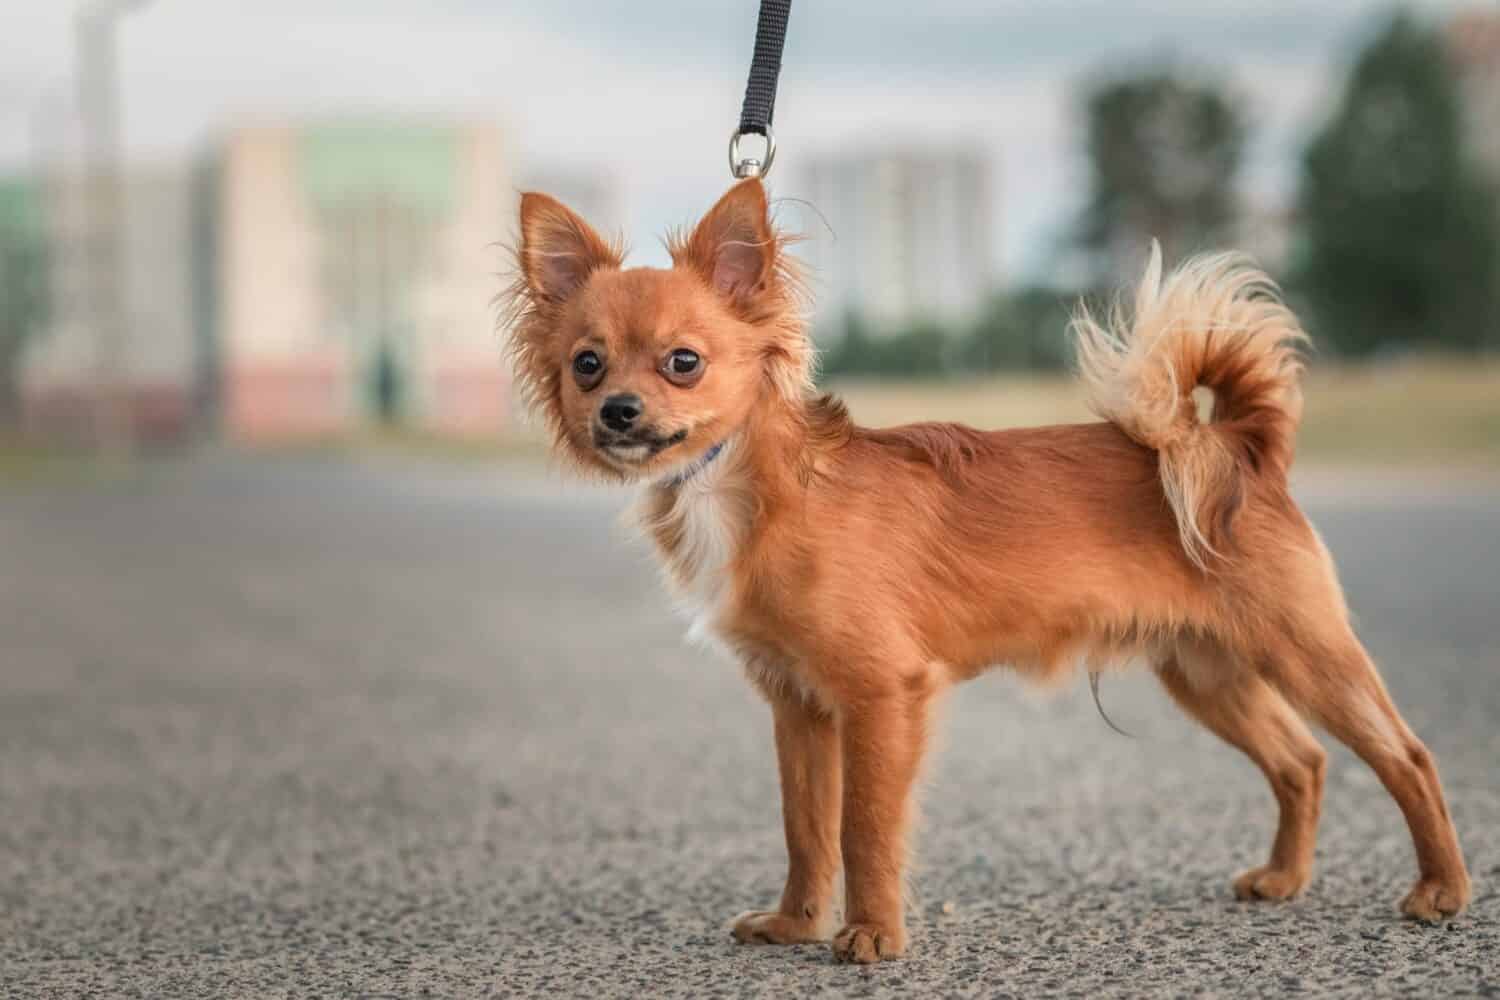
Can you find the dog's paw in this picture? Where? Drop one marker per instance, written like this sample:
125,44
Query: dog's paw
866,943
771,927
1270,883
1432,899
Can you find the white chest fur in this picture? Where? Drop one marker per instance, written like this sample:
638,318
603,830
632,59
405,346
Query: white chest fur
699,526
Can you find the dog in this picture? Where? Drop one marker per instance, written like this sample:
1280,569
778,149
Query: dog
859,573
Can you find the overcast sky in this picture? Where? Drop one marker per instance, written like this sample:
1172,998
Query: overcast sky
650,89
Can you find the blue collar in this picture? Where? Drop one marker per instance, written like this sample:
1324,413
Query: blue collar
697,466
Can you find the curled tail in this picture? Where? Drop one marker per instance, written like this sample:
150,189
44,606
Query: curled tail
1215,322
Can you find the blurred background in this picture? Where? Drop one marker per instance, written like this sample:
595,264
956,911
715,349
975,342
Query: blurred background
284,222
312,672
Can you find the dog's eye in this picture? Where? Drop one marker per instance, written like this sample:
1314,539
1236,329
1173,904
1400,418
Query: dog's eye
588,369
683,367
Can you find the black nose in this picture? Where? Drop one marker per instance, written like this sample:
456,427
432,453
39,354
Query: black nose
620,412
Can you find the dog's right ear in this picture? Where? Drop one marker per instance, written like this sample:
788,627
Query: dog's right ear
558,249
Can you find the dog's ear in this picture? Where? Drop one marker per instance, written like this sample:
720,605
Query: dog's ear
558,249
734,248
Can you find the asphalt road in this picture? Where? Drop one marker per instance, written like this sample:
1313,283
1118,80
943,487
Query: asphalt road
312,728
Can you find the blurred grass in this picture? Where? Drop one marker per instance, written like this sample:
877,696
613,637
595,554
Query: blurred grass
1434,413
1417,412
23,461
522,444
1410,413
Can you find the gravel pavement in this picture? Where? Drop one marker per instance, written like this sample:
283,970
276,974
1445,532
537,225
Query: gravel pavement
319,727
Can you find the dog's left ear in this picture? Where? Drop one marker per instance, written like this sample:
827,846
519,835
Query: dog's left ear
734,248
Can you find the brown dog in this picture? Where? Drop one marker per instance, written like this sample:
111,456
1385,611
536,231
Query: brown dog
859,573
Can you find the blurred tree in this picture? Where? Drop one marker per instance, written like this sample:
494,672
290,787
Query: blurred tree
1399,236
920,349
1023,329
24,297
1165,151
843,357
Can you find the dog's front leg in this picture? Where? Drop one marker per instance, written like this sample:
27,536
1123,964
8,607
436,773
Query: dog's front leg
807,751
883,738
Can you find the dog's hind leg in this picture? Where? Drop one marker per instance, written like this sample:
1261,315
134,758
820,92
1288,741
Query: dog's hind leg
1248,713
1329,675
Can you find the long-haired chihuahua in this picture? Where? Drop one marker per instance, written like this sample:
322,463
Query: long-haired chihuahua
859,573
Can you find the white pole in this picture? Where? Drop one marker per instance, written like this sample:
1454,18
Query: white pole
105,306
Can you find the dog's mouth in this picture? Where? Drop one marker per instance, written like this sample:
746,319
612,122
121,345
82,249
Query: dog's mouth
634,448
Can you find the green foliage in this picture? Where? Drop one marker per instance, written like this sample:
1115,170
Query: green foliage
24,295
1023,330
1164,150
1399,229
922,349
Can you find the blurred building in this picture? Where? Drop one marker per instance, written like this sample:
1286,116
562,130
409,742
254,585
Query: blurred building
911,237
158,367
1474,48
299,281
354,280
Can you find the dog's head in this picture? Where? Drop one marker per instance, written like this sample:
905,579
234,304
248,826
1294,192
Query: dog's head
641,372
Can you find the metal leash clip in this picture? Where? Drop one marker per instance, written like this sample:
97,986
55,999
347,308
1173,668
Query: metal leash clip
749,166
760,91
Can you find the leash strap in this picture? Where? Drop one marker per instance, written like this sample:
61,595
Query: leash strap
765,67
760,91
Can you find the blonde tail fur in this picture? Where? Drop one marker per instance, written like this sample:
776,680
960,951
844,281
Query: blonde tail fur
1215,322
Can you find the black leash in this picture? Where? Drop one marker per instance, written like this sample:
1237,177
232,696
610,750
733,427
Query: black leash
760,91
